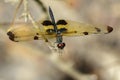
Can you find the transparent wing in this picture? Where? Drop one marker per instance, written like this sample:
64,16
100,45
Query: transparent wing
22,32
26,31
79,29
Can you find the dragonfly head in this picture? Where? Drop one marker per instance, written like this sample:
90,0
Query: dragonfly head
61,45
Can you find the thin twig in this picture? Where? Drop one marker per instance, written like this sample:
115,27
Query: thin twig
15,13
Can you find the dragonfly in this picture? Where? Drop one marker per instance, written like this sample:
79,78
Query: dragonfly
49,29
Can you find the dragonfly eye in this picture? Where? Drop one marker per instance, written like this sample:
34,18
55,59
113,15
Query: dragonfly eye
61,45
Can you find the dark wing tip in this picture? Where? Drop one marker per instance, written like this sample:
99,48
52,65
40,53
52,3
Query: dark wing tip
11,36
110,29
9,33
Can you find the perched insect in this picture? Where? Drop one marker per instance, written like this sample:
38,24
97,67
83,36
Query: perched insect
52,29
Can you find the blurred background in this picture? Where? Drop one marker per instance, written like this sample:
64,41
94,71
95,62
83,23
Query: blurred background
92,57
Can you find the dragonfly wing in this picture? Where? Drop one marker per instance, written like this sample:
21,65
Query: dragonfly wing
73,28
23,32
